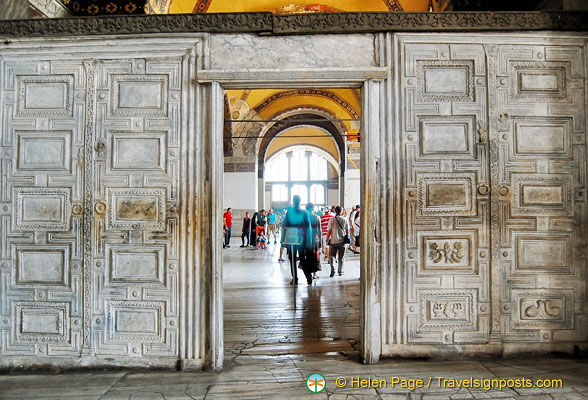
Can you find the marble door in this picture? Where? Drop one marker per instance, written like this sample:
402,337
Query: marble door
135,199
42,207
493,143
90,206
540,222
446,194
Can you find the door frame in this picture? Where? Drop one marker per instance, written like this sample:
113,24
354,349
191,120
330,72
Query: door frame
372,83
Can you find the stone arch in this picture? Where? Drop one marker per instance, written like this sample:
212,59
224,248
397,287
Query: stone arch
306,118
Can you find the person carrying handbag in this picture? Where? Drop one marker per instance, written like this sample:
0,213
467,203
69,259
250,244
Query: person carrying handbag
337,238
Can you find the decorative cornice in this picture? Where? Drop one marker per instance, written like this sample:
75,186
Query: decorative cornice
299,23
116,25
433,21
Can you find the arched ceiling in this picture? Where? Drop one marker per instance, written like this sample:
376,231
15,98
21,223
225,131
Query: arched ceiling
341,104
128,7
304,135
286,117
288,6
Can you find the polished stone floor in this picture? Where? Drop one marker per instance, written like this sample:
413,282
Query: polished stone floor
272,345
264,314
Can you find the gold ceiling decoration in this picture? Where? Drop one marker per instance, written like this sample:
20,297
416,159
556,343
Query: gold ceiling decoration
305,9
289,7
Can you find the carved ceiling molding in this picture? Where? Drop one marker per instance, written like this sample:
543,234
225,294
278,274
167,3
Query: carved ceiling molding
172,23
308,92
299,23
421,22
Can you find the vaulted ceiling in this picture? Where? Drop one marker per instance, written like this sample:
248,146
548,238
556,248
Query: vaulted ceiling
288,6
317,108
118,7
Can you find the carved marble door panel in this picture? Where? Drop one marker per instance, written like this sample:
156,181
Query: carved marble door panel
41,207
135,228
539,143
446,240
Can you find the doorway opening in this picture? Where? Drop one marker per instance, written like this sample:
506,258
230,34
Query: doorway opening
279,143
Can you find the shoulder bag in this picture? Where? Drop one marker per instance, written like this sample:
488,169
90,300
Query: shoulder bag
346,238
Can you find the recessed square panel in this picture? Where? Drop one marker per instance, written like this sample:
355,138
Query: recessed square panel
443,137
41,322
447,253
44,150
443,81
542,136
42,209
41,265
448,310
138,151
136,264
544,252
139,95
539,81
542,308
136,209
135,321
45,95
542,194
446,194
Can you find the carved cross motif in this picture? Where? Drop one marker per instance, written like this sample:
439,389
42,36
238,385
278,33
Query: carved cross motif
447,254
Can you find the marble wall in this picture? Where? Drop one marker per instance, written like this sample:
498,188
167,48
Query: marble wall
474,192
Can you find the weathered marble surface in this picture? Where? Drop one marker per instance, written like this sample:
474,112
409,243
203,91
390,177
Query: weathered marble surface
234,52
17,9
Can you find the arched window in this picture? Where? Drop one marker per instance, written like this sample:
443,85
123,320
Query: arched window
300,172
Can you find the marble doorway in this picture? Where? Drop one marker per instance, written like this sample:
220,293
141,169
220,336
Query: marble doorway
285,142
372,84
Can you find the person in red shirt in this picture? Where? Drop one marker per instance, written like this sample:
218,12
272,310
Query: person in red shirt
324,229
227,225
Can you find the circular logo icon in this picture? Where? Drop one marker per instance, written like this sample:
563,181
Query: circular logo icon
316,383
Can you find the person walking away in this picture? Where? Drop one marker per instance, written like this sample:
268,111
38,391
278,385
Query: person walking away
278,222
338,228
282,245
227,225
253,238
324,228
272,226
246,231
313,256
352,233
297,218
356,228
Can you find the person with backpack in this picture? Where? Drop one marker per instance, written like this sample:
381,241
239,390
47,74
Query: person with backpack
337,238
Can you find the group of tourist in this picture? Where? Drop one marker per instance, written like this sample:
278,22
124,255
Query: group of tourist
256,230
305,233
